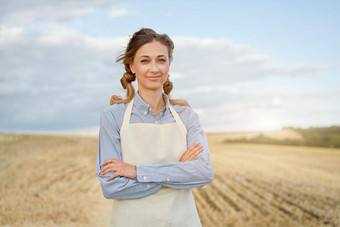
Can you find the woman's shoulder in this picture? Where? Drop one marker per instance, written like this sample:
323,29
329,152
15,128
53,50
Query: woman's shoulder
181,108
186,113
115,109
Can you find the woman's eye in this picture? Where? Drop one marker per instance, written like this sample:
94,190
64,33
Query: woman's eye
144,61
163,60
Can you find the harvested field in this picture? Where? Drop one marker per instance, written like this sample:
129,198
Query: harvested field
50,181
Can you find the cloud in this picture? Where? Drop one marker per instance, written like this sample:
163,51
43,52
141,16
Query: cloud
26,12
55,81
118,13
9,35
257,110
61,79
220,61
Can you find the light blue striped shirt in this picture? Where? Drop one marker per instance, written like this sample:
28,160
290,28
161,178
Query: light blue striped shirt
151,177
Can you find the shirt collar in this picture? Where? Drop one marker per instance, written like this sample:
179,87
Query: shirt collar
145,108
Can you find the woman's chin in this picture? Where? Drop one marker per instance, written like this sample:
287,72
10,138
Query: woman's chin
154,86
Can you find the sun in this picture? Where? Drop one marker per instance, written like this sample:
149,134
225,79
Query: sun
268,122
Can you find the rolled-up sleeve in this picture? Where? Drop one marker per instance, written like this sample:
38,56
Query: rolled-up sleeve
109,147
182,175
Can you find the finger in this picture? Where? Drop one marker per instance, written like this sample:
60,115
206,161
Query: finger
190,149
116,174
199,149
196,151
107,169
193,146
111,160
197,154
188,152
105,162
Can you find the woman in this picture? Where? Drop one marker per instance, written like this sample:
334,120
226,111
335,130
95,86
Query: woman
152,149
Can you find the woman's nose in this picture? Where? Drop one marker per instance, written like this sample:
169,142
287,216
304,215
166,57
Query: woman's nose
154,67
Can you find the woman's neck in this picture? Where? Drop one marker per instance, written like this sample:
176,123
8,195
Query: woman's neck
154,99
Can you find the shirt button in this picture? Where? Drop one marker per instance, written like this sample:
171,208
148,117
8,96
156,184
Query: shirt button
168,179
148,185
145,113
145,178
150,109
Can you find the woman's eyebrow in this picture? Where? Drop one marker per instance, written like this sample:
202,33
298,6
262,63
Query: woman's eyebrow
149,56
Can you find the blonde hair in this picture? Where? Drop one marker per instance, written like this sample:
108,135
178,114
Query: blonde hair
140,38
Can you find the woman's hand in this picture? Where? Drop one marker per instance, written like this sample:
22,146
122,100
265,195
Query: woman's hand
192,153
120,168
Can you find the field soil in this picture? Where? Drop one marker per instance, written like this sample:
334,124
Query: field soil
51,181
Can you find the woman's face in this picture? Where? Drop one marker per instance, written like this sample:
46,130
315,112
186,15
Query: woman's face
151,66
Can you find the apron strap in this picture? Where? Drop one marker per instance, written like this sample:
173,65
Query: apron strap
127,114
177,118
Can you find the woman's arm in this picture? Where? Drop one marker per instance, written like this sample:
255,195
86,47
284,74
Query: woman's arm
182,175
109,147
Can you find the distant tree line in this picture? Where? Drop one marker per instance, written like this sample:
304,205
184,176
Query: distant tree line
313,136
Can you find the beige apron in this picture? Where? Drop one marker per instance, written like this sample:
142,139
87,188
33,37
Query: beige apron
145,143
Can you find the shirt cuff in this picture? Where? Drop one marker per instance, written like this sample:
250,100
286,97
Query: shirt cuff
145,173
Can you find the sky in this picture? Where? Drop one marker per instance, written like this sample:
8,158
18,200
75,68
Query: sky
242,65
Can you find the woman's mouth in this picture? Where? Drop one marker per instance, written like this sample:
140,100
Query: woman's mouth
153,77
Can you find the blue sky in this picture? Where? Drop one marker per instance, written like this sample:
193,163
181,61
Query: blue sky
291,31
243,65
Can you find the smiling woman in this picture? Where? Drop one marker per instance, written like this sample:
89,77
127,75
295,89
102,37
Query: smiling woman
152,149
150,67
141,44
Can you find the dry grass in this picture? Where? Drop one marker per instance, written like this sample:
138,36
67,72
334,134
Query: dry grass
50,181
270,185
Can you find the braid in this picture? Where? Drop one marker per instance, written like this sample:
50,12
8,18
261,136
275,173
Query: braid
127,79
126,82
167,86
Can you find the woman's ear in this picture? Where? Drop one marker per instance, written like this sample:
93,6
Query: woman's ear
131,68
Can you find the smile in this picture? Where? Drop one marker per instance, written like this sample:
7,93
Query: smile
153,77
